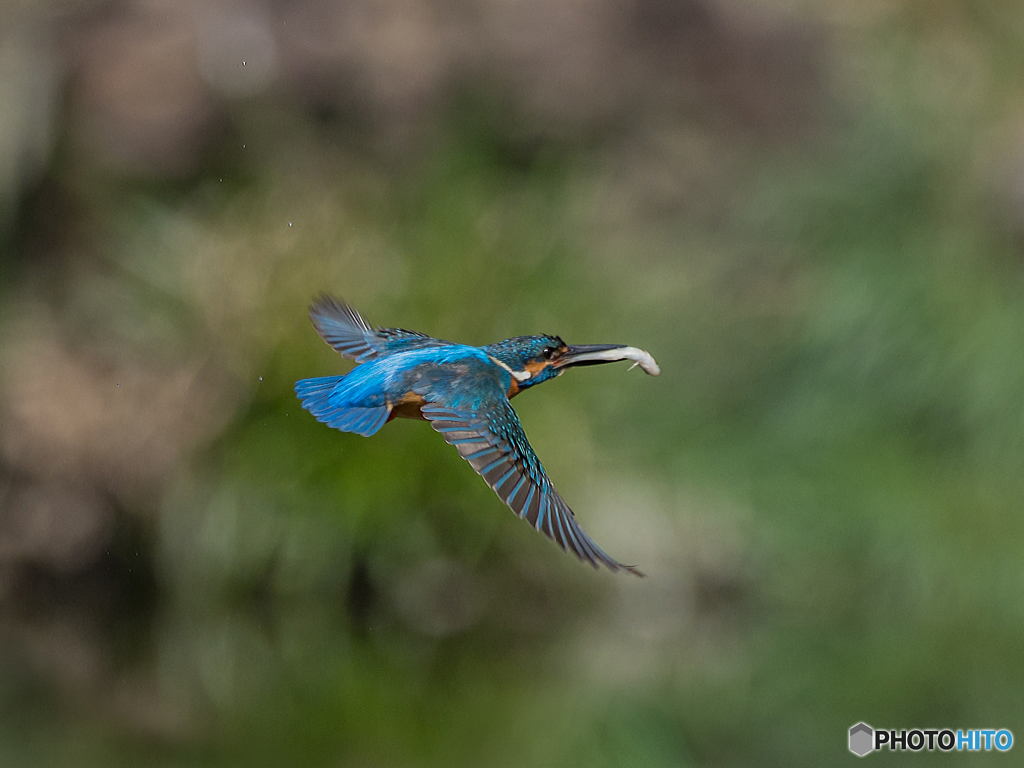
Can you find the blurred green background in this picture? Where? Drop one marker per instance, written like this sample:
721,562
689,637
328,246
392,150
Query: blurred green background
810,211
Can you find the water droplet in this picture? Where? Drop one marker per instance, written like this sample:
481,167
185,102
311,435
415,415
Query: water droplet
261,378
289,223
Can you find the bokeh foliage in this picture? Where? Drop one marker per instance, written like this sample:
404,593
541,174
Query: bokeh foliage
810,214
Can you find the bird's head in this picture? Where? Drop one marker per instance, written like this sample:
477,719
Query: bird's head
533,359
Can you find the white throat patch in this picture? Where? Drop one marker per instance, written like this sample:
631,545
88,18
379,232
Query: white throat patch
517,375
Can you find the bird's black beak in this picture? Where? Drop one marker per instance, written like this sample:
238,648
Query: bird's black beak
596,354
588,354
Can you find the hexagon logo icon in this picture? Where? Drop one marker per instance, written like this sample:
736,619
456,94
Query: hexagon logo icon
862,738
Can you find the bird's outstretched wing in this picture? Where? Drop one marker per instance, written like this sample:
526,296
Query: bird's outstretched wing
344,329
487,433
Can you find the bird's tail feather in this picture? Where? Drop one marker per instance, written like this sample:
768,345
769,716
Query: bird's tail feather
322,386
316,396
361,421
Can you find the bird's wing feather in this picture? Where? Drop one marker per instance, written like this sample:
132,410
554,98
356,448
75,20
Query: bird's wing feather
487,433
343,328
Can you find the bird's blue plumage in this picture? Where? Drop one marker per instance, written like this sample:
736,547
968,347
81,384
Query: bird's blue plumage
463,392
344,329
384,381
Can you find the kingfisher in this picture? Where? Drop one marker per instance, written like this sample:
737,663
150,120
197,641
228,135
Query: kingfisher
464,392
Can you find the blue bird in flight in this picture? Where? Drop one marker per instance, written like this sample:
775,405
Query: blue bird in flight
464,393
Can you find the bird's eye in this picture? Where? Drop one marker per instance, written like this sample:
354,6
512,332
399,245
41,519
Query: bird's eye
548,353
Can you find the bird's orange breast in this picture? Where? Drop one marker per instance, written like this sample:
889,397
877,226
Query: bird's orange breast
408,407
